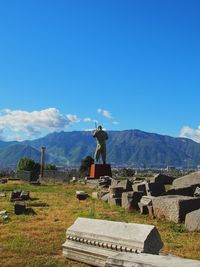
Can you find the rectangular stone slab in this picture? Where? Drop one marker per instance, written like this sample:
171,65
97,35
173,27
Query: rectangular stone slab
147,260
101,238
174,207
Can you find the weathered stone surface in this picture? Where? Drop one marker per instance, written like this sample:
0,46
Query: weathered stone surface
93,241
147,200
95,195
162,178
187,180
131,199
147,260
126,184
192,221
174,208
19,207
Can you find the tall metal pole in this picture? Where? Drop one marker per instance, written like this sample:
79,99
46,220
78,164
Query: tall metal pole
42,161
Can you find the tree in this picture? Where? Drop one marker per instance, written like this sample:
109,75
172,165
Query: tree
27,164
85,166
50,166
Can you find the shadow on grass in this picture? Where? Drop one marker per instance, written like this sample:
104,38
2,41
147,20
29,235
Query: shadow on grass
30,211
33,198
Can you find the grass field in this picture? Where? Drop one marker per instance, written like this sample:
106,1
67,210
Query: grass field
36,240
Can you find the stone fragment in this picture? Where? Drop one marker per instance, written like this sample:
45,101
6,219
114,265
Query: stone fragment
105,197
197,192
162,178
3,214
155,189
25,195
3,194
131,199
15,195
95,195
145,205
19,207
147,260
192,221
126,184
92,241
147,200
173,207
81,195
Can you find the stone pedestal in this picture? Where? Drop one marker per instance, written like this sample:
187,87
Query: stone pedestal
98,170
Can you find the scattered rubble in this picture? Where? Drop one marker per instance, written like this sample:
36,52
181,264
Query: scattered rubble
81,195
4,215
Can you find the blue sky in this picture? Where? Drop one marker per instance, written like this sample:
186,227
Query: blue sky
132,64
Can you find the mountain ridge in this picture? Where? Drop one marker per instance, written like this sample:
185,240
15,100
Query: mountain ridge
134,148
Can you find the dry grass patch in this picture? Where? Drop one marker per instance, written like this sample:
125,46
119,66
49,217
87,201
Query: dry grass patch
36,240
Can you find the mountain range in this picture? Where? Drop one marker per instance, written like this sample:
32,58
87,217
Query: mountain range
129,148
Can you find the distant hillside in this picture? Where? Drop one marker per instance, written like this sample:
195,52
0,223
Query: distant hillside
124,148
4,144
10,155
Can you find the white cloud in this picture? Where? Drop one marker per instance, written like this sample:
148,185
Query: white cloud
32,124
191,133
87,120
105,113
115,122
73,119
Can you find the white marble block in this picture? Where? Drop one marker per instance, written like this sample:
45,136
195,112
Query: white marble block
92,241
